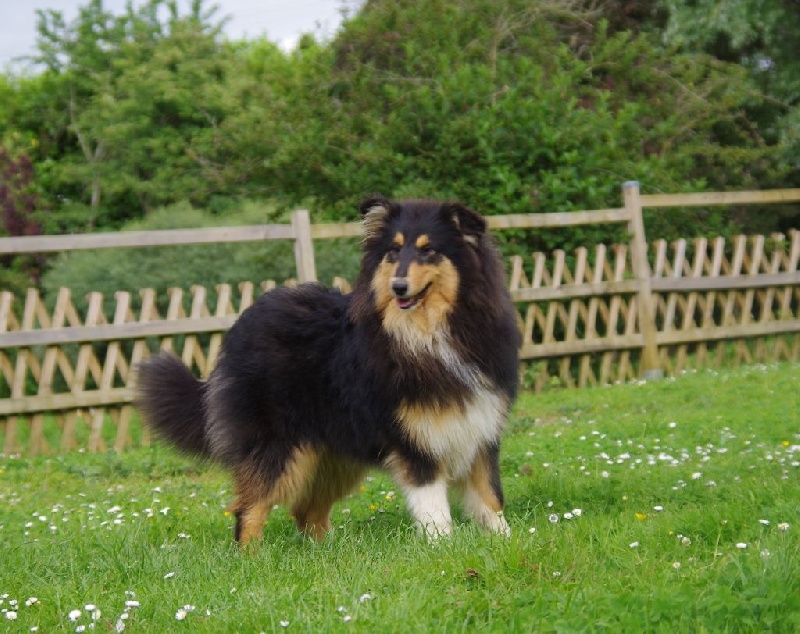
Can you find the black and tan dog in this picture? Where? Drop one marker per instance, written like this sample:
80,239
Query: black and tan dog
414,372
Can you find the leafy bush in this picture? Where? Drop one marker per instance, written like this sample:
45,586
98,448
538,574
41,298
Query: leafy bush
513,108
184,266
161,268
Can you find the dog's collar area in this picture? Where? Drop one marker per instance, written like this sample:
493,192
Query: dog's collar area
407,303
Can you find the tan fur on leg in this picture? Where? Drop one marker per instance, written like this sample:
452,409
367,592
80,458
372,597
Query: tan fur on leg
255,497
480,499
333,479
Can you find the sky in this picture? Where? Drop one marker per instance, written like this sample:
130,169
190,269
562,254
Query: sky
282,21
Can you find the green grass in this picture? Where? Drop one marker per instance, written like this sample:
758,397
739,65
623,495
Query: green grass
718,453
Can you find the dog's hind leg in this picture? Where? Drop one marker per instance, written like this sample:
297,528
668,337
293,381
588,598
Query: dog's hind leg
483,492
251,514
274,477
334,478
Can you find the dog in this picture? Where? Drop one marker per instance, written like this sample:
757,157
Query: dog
414,372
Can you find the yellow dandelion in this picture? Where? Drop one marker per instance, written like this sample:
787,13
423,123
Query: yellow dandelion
785,443
373,507
226,513
641,516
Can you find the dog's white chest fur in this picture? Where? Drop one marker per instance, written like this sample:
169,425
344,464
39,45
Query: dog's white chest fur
453,435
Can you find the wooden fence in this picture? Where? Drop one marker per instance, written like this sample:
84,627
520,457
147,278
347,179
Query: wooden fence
614,314
730,303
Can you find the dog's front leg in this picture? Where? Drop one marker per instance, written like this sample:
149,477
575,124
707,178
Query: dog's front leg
483,493
429,506
425,491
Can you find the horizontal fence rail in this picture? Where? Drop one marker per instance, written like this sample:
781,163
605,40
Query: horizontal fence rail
706,199
558,219
164,237
615,313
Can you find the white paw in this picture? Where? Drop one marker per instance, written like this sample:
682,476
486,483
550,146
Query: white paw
501,527
493,521
434,530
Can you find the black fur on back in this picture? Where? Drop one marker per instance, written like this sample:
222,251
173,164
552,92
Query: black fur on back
171,401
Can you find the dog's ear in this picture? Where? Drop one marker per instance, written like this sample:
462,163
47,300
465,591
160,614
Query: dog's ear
375,203
469,222
373,212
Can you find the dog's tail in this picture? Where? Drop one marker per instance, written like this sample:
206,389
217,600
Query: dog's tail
170,401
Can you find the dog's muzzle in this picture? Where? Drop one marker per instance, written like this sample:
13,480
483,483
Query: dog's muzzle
400,288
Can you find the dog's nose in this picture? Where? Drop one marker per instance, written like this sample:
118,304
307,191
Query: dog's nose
400,287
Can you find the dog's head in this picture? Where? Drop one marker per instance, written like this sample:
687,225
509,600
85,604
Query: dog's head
417,256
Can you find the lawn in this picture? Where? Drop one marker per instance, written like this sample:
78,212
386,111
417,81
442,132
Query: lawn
668,506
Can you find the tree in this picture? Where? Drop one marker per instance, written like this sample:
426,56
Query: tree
762,36
130,92
169,97
514,107
80,55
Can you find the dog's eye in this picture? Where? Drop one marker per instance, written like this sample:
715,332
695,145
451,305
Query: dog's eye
426,252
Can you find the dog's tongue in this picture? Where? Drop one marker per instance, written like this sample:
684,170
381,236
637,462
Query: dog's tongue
404,304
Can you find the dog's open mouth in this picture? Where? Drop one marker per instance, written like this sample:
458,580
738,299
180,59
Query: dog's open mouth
407,303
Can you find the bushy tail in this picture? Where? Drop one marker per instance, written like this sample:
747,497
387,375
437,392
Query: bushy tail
170,401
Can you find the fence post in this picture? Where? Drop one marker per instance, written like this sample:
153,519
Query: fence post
303,247
650,368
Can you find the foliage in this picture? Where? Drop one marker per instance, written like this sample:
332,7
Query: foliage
763,39
18,198
512,106
133,95
688,521
18,206
161,268
183,266
762,36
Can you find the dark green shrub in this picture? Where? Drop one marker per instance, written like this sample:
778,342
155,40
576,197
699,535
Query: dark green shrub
161,268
